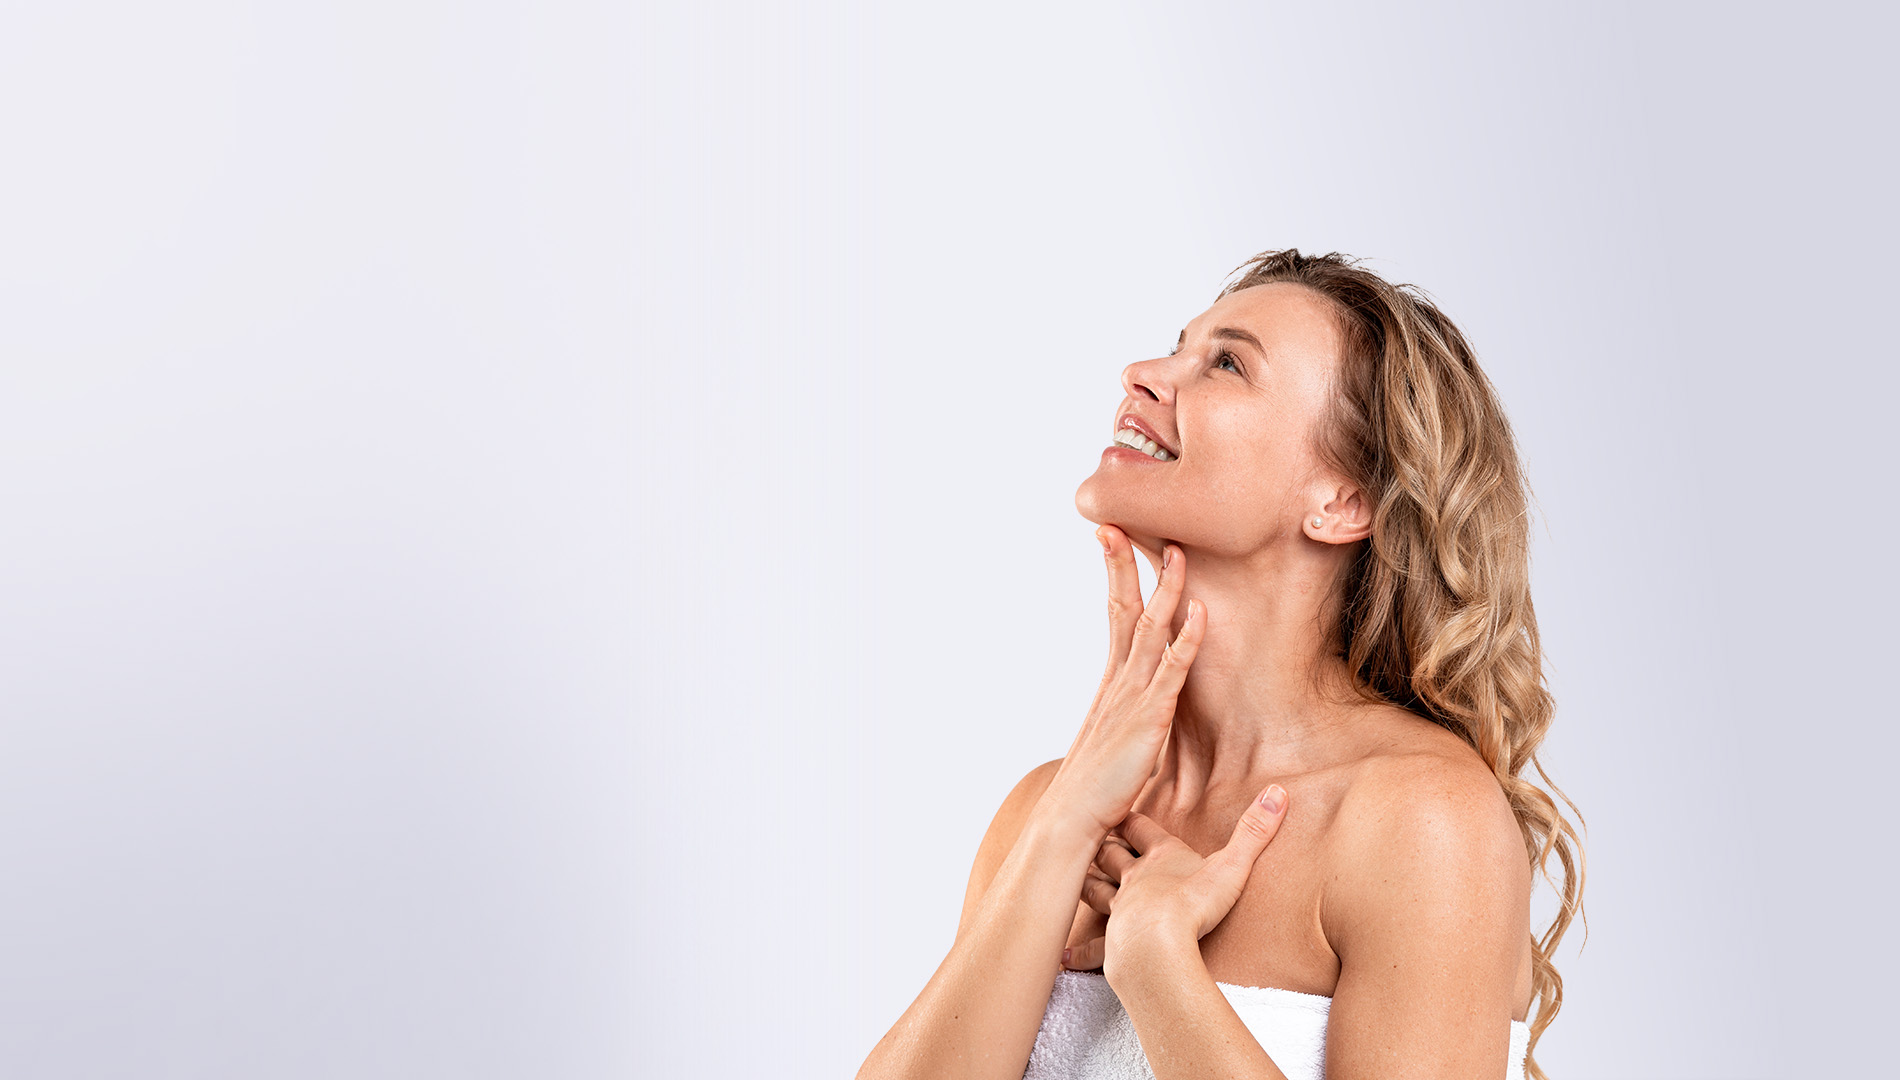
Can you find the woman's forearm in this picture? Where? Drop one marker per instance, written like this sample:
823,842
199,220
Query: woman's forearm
1187,1027
977,1017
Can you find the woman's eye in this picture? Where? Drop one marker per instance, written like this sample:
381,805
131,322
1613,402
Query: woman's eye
1228,358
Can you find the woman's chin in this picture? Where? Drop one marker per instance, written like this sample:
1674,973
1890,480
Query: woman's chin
1088,501
1131,520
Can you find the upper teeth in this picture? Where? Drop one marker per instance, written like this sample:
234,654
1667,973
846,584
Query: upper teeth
1130,437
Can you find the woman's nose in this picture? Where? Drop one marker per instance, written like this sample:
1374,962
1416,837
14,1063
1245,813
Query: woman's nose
1149,379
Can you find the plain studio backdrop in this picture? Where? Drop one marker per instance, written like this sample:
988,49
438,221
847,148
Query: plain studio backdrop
537,536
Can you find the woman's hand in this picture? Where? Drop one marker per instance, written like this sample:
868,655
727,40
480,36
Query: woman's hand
1162,897
1115,754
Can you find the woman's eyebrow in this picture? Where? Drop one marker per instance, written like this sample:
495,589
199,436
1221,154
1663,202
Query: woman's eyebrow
1236,334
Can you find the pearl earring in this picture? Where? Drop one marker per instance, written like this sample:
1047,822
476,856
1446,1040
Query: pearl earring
1317,522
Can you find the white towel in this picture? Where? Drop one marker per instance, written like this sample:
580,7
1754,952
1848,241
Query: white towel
1087,1035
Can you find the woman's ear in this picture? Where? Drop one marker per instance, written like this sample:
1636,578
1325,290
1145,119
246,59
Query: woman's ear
1344,518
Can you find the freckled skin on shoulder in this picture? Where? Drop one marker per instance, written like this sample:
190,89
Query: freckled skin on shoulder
1427,904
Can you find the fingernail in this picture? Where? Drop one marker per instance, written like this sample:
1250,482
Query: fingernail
1065,958
1272,799
1102,540
1167,557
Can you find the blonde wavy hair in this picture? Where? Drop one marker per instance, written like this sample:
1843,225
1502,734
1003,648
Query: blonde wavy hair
1437,611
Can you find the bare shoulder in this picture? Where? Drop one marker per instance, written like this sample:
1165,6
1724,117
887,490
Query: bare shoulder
1426,905
1422,822
1001,836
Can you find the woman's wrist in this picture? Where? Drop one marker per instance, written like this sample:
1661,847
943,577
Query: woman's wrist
1057,821
1053,838
1155,959
1042,874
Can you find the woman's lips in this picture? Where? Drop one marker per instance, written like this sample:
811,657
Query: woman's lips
1119,452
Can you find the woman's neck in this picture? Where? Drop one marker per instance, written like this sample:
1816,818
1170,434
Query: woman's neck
1265,696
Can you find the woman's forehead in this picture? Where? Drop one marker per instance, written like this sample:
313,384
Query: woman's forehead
1288,319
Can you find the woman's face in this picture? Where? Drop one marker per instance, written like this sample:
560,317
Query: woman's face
1239,404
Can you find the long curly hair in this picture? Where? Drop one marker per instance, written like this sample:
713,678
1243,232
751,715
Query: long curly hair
1436,614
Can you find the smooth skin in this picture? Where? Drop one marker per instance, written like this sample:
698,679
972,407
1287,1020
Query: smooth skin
1390,875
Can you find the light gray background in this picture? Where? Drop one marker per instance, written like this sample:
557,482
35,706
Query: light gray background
538,535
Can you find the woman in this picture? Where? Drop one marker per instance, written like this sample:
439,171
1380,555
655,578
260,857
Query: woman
1293,833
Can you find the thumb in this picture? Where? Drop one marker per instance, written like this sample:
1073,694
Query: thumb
1255,830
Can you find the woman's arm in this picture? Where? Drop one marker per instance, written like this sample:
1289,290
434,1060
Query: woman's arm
1187,1027
978,1015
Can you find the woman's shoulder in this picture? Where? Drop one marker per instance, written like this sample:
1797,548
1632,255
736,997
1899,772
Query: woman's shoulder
1422,814
1415,766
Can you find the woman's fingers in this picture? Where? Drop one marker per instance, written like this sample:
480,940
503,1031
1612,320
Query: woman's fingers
1171,668
1085,957
1118,747
1124,594
1099,893
1136,628
1157,618
1143,832
1114,858
1252,833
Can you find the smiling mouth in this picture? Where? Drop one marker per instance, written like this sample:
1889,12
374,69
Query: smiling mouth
1135,440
